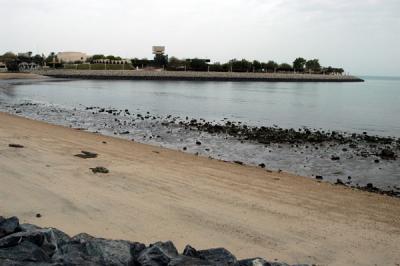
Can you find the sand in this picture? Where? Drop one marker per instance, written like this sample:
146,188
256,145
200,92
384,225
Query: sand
9,75
153,194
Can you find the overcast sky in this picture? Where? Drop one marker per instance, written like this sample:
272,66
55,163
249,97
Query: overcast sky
363,36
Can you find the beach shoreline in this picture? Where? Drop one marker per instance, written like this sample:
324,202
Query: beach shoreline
153,193
194,76
16,75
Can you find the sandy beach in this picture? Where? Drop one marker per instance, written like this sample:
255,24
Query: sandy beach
9,75
155,194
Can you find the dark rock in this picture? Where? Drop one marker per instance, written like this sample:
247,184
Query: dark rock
387,154
97,251
7,262
238,162
184,148
100,169
189,261
158,254
38,215
86,155
16,146
335,158
28,227
218,256
262,165
191,252
376,161
8,226
340,182
353,146
49,240
198,143
25,251
253,262
319,177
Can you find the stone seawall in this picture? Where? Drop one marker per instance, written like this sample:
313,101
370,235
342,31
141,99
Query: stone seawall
194,76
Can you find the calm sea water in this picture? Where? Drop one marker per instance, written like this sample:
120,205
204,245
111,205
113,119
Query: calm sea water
372,106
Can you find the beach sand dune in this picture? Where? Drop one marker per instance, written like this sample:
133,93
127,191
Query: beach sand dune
156,194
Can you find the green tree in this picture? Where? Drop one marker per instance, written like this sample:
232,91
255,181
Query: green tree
38,59
11,61
270,66
217,67
9,56
313,65
98,57
160,60
197,64
175,63
257,66
285,67
241,66
299,64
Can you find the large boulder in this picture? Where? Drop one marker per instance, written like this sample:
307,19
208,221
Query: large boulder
158,254
97,251
25,251
191,252
217,256
49,240
8,226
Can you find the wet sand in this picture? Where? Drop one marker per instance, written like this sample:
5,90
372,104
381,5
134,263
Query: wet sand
156,194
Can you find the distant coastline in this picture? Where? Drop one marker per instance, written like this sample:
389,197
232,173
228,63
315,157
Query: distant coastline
194,76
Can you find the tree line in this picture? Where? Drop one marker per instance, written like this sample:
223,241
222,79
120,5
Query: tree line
299,65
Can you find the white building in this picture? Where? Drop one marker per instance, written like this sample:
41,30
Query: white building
71,57
27,67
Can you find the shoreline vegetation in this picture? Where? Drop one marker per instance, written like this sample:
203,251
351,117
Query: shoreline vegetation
152,193
193,76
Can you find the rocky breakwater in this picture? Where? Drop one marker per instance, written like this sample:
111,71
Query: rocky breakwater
194,76
27,244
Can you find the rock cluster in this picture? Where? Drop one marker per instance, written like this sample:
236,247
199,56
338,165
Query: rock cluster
26,244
